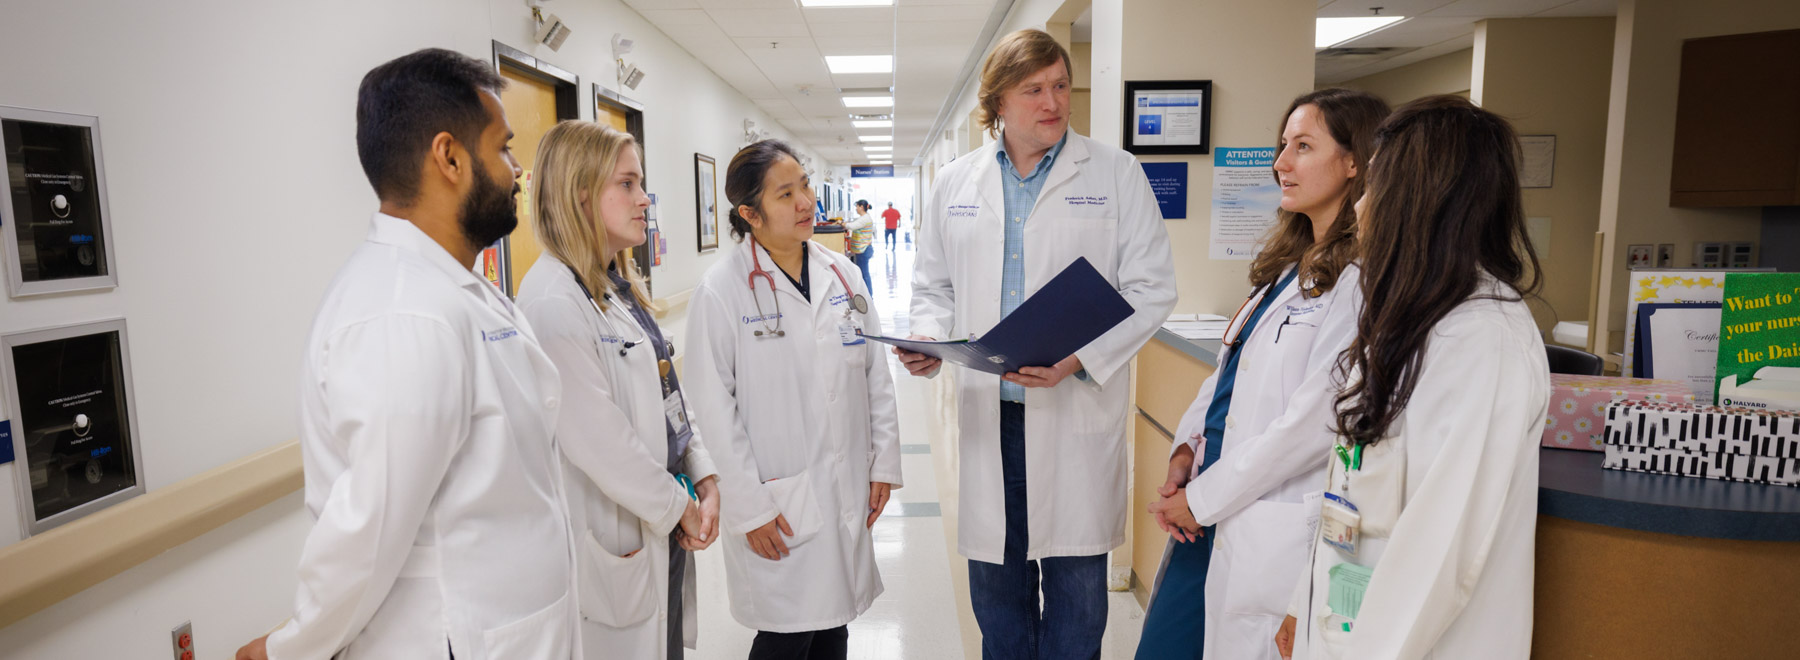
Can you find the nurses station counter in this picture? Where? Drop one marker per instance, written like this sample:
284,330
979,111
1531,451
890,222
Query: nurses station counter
1629,565
830,236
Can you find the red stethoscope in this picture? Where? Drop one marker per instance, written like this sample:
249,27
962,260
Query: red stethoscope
857,301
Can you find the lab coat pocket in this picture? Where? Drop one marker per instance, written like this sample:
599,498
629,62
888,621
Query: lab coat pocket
616,591
1379,488
1265,547
1093,237
794,499
547,633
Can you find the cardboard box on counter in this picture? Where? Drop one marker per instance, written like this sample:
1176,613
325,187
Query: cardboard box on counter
1727,467
1710,429
1578,405
1711,442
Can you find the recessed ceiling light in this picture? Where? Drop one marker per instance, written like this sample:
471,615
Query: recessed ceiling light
881,162
868,101
878,147
1333,31
860,63
875,138
846,3
874,123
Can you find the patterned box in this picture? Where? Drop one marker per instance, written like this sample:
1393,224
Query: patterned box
1730,444
1577,418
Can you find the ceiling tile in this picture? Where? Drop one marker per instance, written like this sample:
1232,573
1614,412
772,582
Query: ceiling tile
666,17
859,16
1494,8
1415,32
1583,8
1388,7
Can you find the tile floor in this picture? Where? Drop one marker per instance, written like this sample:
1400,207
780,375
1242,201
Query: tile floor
924,613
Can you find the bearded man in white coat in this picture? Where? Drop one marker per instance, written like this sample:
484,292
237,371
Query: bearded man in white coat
426,405
1001,222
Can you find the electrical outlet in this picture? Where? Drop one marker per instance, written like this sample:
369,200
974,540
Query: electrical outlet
182,638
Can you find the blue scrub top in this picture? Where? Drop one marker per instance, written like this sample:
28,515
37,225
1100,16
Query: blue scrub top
1221,403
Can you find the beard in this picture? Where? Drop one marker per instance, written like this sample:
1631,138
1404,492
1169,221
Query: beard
489,212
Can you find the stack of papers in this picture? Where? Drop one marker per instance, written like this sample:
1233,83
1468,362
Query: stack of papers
1196,327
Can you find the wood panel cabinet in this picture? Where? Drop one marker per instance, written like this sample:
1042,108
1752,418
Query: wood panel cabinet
1737,121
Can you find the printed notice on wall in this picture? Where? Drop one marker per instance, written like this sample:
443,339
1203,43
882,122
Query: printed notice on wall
1245,197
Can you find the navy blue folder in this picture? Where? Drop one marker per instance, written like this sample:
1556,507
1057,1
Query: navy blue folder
1071,310
1643,362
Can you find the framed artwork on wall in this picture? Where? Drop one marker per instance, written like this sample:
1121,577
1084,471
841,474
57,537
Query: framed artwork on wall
706,201
56,224
75,427
1168,116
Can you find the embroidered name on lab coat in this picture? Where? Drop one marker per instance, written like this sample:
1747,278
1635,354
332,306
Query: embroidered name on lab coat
759,319
497,335
1085,200
963,210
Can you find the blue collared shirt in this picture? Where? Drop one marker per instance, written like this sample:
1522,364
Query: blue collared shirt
1021,197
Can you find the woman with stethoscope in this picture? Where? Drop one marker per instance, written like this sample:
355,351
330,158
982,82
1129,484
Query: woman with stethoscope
1244,477
640,485
800,409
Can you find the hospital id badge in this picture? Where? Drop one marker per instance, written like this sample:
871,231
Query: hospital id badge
850,335
1339,523
676,412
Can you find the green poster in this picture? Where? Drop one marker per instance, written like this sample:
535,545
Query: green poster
1759,325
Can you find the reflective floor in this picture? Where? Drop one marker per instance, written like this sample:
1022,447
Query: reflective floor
924,612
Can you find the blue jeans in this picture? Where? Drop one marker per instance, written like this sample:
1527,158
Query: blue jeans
1072,618
1175,626
862,261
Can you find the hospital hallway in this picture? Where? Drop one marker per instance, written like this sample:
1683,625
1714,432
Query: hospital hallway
924,612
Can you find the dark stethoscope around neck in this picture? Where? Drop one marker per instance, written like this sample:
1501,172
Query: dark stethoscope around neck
624,344
857,302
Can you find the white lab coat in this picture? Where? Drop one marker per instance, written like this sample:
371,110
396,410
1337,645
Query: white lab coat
1448,502
1097,204
799,425
1264,492
426,419
614,443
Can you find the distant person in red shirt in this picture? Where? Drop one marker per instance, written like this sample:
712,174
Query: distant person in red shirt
892,216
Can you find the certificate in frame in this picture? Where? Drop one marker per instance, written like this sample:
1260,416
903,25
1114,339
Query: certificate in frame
55,220
706,201
1168,116
75,437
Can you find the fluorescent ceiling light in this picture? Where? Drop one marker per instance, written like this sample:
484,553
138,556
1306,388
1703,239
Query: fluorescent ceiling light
868,101
874,123
878,147
846,3
860,63
881,162
1333,31
875,138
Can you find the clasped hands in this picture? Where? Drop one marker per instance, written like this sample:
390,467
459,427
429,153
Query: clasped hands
1172,513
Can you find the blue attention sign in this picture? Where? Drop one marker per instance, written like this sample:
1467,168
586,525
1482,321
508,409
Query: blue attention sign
1257,157
866,171
6,451
1170,183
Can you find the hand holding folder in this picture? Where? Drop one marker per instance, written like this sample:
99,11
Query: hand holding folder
1071,310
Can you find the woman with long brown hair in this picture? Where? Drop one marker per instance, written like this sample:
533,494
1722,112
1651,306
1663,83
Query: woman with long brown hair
1263,431
1426,534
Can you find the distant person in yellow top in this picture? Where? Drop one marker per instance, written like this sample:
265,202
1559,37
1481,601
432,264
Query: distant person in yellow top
862,238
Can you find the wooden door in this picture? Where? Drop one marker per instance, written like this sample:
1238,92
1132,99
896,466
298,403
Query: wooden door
531,109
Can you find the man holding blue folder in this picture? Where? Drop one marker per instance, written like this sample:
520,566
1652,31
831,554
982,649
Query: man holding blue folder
1044,462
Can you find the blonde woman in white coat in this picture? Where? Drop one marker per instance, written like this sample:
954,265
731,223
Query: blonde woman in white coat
629,453
799,407
1240,506
1427,534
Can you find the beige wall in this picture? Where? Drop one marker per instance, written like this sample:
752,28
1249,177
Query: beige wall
1444,74
1634,204
1259,56
1550,76
1081,100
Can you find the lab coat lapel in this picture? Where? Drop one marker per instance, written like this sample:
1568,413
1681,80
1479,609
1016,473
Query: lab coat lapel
1067,165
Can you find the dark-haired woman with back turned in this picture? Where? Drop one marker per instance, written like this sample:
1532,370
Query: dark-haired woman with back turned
798,410
1245,473
1426,535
